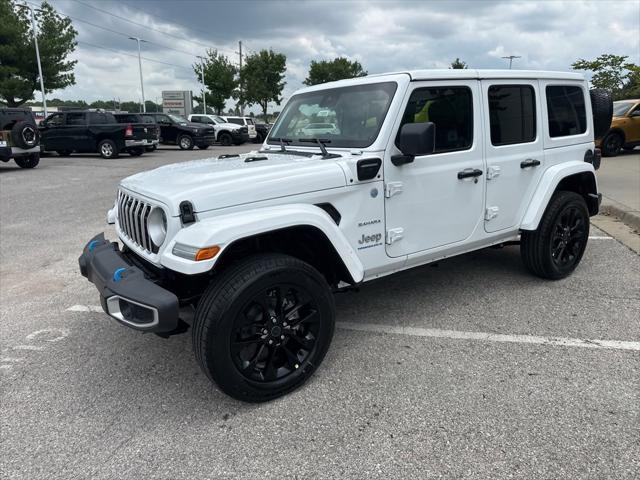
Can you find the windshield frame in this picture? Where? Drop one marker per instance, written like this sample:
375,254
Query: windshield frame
392,85
630,105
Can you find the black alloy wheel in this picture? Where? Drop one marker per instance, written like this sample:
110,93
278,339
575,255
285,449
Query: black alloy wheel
275,333
568,238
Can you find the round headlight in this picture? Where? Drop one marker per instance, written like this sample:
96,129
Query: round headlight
157,226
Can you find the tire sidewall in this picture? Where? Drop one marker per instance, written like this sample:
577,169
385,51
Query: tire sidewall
221,365
558,272
114,151
225,139
30,161
185,137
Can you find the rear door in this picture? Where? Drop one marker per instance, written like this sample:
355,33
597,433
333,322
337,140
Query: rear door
513,148
438,199
76,132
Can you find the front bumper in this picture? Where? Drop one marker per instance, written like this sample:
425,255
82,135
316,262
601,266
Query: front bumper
240,136
126,294
204,140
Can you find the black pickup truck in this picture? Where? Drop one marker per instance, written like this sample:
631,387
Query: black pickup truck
91,132
139,118
175,130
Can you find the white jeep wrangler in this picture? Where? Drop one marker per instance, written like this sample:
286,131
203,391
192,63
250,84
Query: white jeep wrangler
419,166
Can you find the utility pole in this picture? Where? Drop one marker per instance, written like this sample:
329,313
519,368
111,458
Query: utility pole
204,88
137,39
241,98
35,41
510,58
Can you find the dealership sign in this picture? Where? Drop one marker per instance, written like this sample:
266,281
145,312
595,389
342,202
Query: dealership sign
179,102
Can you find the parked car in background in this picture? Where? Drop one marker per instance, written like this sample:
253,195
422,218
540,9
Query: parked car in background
19,137
315,129
247,121
226,133
262,130
624,132
153,128
89,131
177,130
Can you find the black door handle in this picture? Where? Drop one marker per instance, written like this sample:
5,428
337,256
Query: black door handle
468,173
529,162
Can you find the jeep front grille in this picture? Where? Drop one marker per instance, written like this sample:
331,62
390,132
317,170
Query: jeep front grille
133,217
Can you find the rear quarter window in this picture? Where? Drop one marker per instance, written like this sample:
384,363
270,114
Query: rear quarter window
566,110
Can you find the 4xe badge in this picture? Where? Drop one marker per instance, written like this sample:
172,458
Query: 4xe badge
368,241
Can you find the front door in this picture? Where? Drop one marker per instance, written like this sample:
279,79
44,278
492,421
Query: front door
513,149
167,129
51,132
438,199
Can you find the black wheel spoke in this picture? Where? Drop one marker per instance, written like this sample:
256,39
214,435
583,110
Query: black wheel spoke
270,371
305,343
310,317
255,359
292,359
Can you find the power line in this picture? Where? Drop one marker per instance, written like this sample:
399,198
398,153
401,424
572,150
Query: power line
127,35
82,42
142,25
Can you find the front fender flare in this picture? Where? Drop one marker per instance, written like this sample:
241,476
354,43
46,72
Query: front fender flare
546,188
225,229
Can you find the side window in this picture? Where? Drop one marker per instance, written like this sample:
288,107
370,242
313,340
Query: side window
237,121
450,109
97,118
55,120
565,106
163,120
512,114
196,119
75,119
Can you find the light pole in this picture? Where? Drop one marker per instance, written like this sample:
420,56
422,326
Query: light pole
139,40
510,58
204,87
35,41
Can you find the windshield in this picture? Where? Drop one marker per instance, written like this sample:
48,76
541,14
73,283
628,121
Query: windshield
620,108
348,117
217,119
177,118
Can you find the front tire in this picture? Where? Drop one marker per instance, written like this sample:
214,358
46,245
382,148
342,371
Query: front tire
225,139
612,144
108,149
263,327
30,161
555,249
185,142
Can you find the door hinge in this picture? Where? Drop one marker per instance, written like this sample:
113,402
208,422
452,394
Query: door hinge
491,212
394,235
493,171
391,188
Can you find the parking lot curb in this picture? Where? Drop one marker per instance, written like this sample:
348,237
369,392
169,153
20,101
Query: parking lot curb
624,213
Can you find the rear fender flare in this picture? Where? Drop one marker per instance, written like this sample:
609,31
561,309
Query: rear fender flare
547,187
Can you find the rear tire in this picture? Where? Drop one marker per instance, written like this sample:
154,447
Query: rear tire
108,149
612,144
185,142
151,148
555,249
263,326
136,152
29,161
25,135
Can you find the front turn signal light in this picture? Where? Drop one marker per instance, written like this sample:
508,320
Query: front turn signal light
207,253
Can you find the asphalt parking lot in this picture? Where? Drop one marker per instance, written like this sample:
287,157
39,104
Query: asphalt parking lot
470,368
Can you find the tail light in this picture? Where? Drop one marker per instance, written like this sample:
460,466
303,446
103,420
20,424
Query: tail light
128,131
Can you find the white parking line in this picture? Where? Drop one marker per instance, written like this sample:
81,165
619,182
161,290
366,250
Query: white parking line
489,337
596,237
457,334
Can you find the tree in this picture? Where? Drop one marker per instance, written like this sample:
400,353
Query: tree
262,78
458,64
18,67
332,70
611,72
219,77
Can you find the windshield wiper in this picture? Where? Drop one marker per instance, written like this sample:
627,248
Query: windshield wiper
282,141
320,142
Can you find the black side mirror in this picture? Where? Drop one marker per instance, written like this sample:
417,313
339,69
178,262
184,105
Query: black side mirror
415,139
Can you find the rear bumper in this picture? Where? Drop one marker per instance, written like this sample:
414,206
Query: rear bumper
125,293
140,143
7,153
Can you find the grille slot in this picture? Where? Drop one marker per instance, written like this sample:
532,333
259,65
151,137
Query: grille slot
133,220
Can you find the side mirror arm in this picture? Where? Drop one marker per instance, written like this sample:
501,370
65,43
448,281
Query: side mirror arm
402,159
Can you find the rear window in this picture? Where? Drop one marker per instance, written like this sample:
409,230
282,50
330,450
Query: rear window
124,118
512,114
566,110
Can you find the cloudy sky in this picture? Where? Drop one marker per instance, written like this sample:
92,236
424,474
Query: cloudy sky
383,36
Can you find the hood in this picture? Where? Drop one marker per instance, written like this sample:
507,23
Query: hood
230,126
215,183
